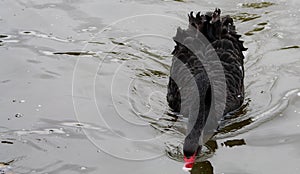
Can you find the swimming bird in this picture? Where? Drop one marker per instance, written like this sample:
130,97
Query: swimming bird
206,76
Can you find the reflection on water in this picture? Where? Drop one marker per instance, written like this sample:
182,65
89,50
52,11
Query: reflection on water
231,143
290,47
204,167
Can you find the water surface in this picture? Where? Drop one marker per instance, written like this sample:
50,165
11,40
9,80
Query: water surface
84,84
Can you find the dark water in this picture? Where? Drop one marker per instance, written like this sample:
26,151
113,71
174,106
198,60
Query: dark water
84,82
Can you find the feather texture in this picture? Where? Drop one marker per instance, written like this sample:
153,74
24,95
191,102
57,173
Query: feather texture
193,71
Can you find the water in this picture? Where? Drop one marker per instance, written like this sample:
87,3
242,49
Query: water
84,83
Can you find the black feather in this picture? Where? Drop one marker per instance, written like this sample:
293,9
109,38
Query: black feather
221,34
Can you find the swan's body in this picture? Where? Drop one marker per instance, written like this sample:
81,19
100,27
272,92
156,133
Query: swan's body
190,53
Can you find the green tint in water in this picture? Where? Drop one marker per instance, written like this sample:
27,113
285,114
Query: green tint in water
290,47
244,17
263,23
204,167
258,5
117,43
3,36
151,54
133,55
257,29
241,111
236,126
232,143
75,53
96,42
157,73
113,52
7,142
6,163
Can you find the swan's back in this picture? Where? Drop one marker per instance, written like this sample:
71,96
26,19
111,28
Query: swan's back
221,34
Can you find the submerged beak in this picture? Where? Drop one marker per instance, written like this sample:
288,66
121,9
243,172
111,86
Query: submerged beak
189,162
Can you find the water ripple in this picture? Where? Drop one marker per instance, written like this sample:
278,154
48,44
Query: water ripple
256,119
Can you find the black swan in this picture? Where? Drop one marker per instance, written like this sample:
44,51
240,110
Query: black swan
195,87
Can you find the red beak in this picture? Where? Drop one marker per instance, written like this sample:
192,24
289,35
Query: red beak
189,162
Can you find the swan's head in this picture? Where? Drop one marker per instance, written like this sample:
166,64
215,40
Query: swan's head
191,148
189,162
